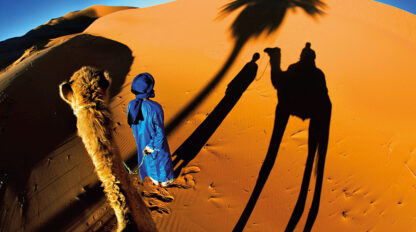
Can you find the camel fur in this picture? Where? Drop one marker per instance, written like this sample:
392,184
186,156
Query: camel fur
86,92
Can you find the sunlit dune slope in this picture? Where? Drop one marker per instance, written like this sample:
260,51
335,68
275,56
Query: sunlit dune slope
367,51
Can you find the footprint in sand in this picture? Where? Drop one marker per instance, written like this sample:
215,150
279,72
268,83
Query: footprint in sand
185,179
215,197
157,206
157,198
157,193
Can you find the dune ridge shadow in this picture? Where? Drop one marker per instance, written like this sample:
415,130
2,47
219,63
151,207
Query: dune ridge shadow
302,92
71,214
258,16
35,121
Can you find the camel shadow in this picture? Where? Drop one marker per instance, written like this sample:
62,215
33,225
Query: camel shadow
302,92
258,16
191,147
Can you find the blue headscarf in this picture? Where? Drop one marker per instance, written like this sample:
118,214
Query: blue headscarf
142,87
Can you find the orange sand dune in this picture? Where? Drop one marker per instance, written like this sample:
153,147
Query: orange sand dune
367,51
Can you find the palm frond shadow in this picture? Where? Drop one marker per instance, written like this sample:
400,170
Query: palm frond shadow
258,16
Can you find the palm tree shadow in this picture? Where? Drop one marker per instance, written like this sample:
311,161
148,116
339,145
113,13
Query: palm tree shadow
302,92
257,17
191,147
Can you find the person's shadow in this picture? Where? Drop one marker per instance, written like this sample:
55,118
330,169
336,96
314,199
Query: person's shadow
255,18
191,147
302,92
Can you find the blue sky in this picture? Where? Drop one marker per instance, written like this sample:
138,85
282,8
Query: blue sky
407,5
19,16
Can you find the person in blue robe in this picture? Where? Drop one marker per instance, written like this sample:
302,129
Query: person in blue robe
146,119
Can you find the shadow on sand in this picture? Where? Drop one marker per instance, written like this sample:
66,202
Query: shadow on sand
258,16
35,121
302,92
191,147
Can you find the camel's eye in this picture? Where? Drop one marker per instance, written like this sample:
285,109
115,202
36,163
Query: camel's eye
103,83
104,80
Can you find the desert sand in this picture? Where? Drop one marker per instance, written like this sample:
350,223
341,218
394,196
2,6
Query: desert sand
367,51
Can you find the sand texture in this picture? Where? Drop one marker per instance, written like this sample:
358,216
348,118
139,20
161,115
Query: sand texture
366,50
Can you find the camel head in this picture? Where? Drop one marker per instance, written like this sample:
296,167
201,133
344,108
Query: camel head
275,57
87,86
272,52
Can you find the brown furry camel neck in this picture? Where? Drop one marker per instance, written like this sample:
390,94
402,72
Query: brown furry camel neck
86,92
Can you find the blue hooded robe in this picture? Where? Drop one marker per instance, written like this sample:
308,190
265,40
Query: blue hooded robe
147,122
